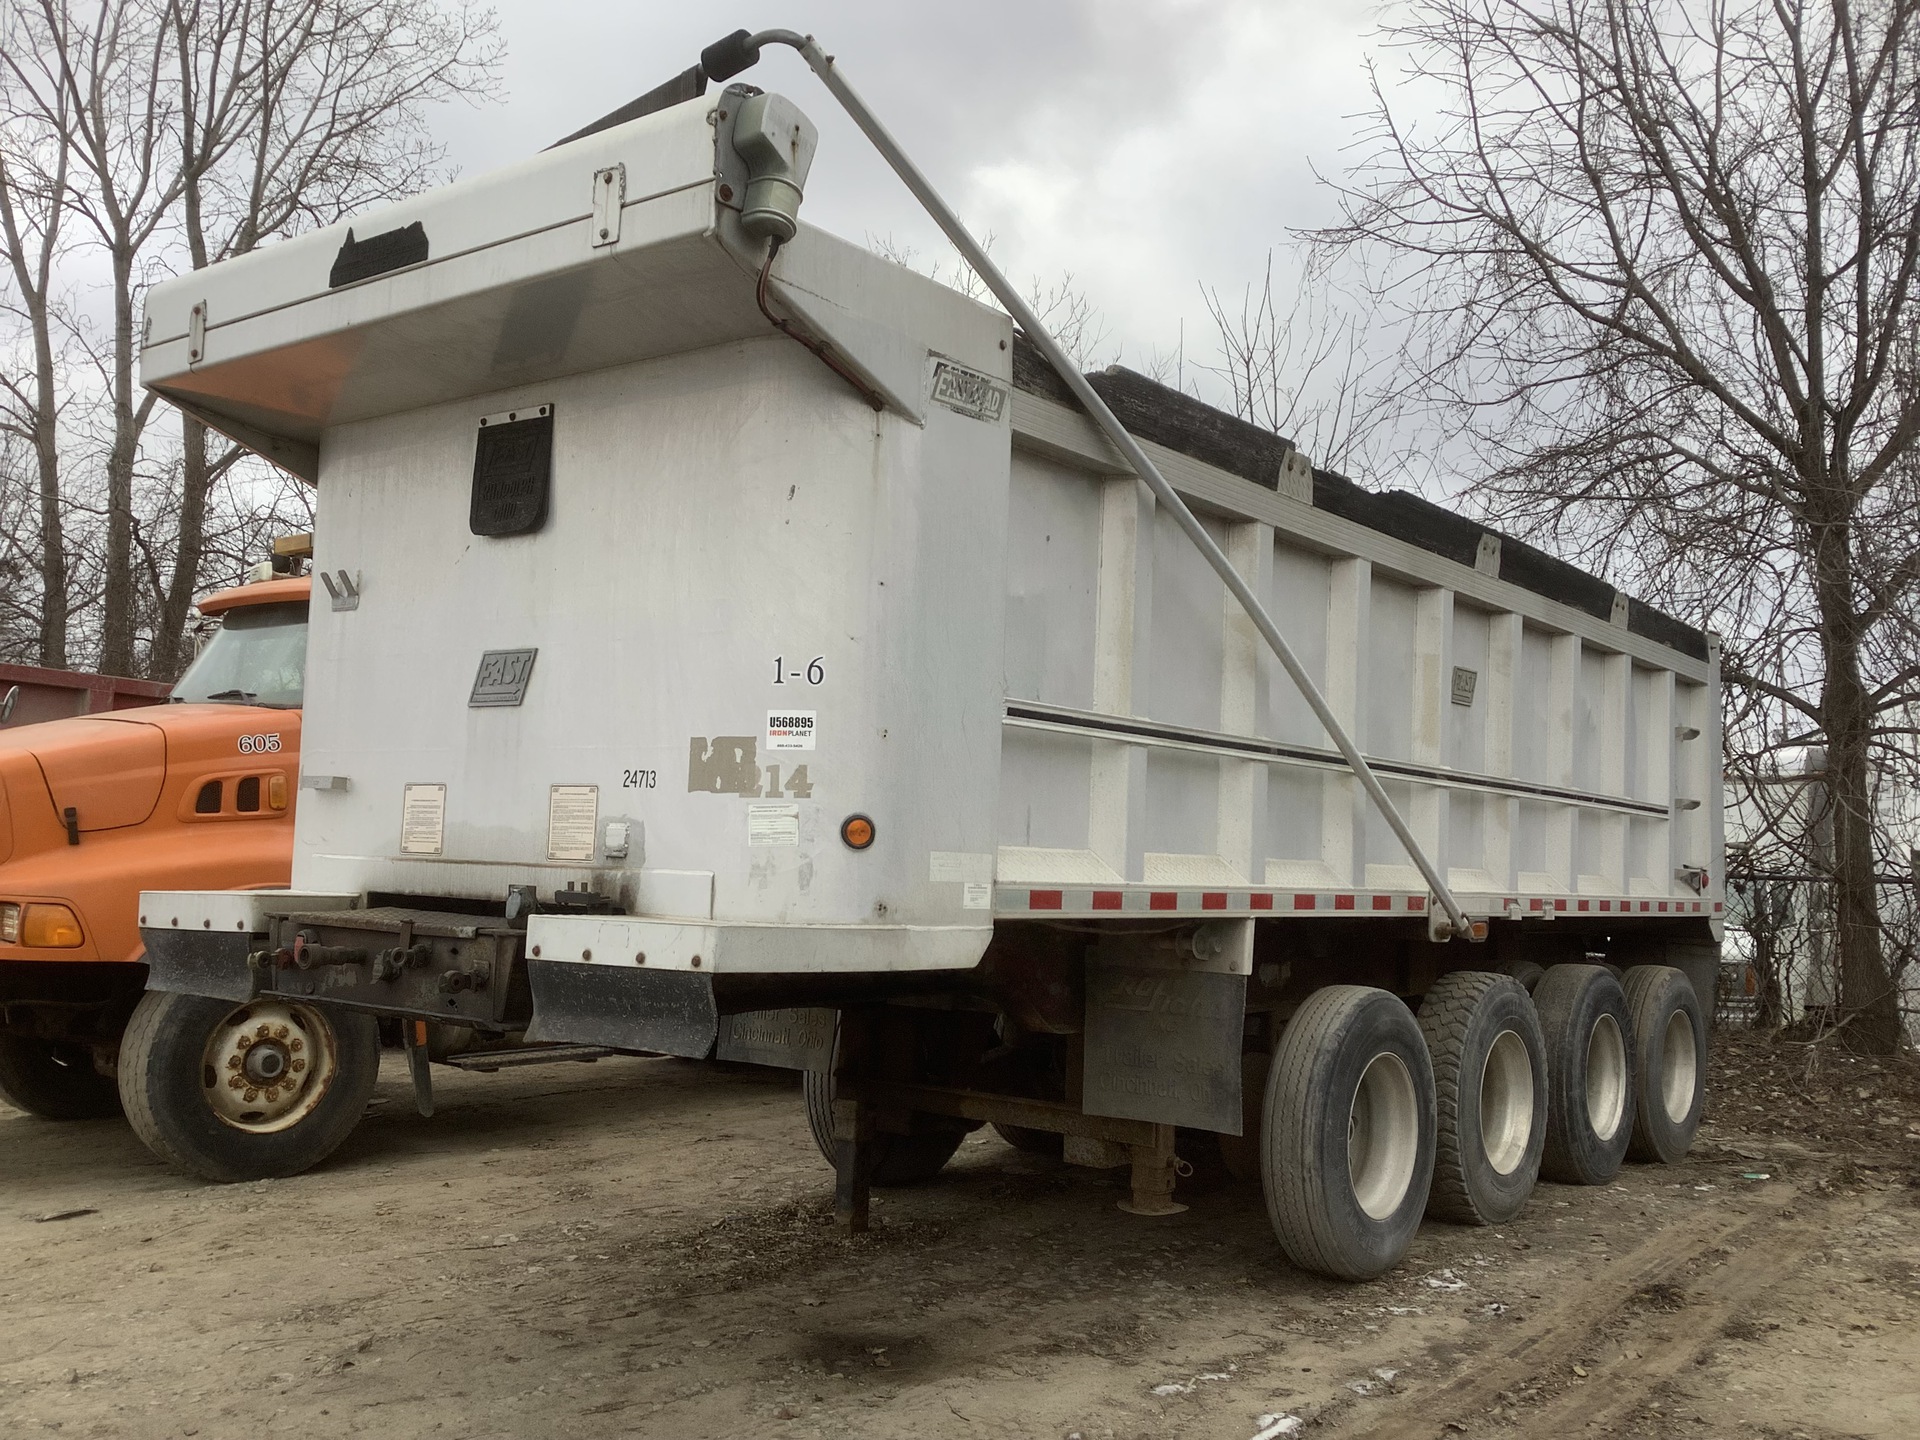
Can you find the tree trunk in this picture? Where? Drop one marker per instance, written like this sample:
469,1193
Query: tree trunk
53,537
1867,995
171,650
117,621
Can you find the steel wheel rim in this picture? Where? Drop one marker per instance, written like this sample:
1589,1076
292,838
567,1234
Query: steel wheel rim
1606,1077
1506,1102
268,1065
1383,1136
1680,1071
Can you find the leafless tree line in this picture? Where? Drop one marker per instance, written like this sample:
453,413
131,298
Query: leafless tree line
140,138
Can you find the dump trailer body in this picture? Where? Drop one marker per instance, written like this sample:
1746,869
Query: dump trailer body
673,676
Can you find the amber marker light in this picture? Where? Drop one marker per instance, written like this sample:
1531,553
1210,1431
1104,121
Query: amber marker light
49,927
276,792
857,831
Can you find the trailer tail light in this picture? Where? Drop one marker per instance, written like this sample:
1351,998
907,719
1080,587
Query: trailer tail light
49,927
276,792
9,924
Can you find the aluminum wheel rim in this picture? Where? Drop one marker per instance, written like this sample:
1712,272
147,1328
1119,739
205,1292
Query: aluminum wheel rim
1383,1136
1606,1077
268,1065
1681,1068
1506,1102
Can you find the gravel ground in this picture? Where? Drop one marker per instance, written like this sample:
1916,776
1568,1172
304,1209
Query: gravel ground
644,1248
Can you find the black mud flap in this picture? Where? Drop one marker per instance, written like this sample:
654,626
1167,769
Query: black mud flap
187,962
785,1039
671,1012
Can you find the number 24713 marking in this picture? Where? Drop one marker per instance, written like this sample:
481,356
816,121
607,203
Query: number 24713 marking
639,779
814,674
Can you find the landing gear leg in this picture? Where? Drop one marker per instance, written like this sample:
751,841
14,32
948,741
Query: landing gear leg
854,1153
1153,1172
415,1032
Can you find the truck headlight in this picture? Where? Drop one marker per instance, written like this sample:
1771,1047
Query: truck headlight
49,927
9,924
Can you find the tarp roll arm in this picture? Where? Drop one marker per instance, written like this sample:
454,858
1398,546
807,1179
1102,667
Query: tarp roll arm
740,50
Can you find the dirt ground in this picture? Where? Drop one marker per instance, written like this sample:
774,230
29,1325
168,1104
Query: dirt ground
642,1248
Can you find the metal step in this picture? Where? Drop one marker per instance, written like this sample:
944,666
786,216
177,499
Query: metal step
487,1061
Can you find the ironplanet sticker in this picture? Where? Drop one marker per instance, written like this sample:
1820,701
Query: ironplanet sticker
790,729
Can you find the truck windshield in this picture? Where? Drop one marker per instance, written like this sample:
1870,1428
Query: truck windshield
258,656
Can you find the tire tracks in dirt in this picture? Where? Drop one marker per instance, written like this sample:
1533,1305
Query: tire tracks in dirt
1675,1264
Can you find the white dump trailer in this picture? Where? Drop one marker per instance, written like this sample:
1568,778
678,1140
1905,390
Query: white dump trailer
732,642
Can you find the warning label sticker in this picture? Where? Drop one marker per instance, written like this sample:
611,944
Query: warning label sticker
790,729
773,824
571,812
423,819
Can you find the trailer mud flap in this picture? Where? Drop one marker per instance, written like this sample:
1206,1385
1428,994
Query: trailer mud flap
671,1012
1163,1044
185,962
786,1039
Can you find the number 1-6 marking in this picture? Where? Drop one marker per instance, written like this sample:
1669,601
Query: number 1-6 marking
814,674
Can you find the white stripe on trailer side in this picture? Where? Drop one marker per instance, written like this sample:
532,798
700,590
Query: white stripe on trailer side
1123,901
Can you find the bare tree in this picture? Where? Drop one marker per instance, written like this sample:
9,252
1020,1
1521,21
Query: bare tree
189,131
1669,255
1309,366
34,159
294,114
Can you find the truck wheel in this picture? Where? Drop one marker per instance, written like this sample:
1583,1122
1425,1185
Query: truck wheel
901,1159
1346,1152
54,1080
1670,1038
244,1092
1528,972
1490,1082
1583,1013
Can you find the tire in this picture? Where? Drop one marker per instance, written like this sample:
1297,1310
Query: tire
900,1159
1346,1149
1490,1086
1670,1073
1030,1141
1590,1069
1528,972
175,1044
54,1080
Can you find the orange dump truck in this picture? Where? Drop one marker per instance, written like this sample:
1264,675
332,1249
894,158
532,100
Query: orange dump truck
194,793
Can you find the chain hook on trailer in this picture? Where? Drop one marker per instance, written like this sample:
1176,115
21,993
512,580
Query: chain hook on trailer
739,51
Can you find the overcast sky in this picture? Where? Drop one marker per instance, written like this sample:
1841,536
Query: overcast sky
1146,148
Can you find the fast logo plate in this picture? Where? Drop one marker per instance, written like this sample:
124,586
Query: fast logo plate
502,678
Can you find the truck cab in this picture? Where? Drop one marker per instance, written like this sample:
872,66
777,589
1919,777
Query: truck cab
198,791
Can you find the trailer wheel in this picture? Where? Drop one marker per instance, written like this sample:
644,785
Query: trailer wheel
1670,1042
1030,1141
1346,1149
1490,1084
1528,972
1590,1069
245,1092
54,1080
901,1159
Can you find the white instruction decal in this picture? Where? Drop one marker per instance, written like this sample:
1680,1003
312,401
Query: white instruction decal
956,867
976,896
571,813
790,729
773,824
423,819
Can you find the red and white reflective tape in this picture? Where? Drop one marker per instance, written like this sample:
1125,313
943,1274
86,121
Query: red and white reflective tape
1098,901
